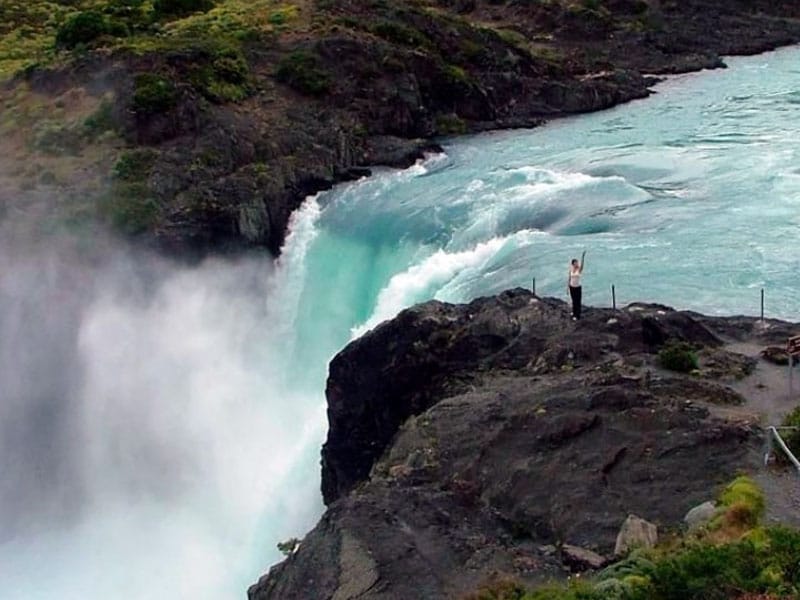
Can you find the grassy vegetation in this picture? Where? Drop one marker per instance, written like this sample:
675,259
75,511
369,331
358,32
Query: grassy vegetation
72,140
744,503
733,558
86,27
47,32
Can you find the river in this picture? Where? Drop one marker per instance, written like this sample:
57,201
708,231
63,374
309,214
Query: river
160,425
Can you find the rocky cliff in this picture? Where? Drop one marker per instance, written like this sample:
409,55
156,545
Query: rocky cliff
200,128
481,438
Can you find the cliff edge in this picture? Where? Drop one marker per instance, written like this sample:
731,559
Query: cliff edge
467,440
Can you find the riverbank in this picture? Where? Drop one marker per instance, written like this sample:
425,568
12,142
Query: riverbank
207,144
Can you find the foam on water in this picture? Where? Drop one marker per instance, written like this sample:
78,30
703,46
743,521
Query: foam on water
286,286
422,281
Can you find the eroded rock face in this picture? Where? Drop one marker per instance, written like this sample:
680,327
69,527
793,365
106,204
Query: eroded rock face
467,440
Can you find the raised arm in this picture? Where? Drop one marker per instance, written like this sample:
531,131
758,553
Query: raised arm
583,260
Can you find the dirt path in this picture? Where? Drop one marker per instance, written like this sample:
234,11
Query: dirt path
767,395
767,389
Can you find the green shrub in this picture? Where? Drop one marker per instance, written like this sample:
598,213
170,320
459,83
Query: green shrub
678,356
512,37
85,27
790,436
301,71
719,572
743,494
231,67
499,587
223,77
706,572
575,590
130,209
764,563
180,8
153,94
783,554
472,51
636,563
289,547
135,165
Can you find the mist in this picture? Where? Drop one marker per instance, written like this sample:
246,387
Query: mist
157,436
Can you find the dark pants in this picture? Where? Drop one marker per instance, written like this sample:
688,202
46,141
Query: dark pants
575,294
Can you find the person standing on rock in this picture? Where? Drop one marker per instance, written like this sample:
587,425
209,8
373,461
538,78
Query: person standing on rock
574,284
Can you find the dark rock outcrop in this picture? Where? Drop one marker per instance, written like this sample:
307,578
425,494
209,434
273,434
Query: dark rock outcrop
467,440
433,350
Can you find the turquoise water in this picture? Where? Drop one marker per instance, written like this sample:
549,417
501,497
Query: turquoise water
690,198
184,443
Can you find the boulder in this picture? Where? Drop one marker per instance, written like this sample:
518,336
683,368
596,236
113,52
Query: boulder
581,559
700,515
776,355
635,533
665,325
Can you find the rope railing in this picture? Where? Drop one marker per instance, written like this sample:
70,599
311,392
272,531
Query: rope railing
772,434
614,298
792,350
